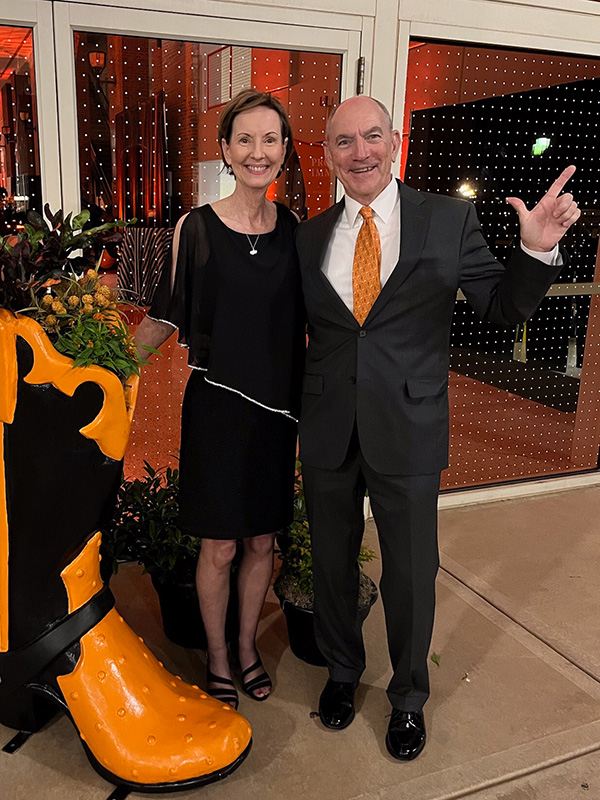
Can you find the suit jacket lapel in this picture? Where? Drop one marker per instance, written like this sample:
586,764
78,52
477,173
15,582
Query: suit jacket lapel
414,222
321,237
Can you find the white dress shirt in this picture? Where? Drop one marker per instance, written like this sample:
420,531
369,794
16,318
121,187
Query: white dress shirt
337,264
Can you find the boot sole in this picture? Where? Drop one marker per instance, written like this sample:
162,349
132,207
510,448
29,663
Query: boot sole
152,788
40,692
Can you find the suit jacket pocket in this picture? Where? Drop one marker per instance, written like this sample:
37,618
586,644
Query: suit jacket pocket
312,384
426,387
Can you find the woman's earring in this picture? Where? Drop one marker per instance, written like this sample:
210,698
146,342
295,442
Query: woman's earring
229,169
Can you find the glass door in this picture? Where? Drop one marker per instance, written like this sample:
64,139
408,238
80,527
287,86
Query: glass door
140,116
482,123
29,172
140,98
147,115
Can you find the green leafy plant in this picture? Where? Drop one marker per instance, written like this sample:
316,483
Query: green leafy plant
87,342
144,527
295,578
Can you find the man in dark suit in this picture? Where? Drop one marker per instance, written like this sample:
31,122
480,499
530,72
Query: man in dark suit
380,272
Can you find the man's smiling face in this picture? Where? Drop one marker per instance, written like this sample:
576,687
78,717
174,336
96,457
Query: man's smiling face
360,148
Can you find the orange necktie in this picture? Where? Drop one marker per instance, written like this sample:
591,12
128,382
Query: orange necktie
366,266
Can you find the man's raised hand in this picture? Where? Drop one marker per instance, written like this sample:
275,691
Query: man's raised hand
545,225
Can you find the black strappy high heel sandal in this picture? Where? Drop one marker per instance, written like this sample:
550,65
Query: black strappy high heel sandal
262,681
222,693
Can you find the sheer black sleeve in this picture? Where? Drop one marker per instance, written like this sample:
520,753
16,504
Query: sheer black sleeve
186,300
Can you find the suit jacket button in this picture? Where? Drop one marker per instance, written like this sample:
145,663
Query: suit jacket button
362,334
352,379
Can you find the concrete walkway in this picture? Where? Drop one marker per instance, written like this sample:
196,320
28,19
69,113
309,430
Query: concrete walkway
514,712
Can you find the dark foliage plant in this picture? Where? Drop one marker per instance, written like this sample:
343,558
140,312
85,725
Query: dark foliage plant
45,251
42,278
144,527
295,578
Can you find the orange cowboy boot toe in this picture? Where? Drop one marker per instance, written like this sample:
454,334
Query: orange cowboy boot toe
141,725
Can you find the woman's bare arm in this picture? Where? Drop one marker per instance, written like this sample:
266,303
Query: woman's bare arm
151,333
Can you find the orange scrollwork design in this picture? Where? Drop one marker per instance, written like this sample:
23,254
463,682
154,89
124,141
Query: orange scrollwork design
110,429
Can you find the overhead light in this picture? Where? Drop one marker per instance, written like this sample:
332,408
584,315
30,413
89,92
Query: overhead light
540,145
467,191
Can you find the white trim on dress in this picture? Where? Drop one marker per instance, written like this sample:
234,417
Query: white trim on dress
245,396
166,321
221,385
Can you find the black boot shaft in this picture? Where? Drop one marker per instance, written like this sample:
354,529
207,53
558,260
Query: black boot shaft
60,489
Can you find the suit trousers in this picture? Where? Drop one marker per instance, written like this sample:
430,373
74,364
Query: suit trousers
405,513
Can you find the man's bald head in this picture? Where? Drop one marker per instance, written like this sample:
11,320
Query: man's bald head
361,146
383,108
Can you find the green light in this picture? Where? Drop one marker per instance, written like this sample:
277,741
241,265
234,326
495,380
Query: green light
541,144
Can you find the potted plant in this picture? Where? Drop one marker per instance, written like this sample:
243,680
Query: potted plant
68,381
144,528
42,277
294,586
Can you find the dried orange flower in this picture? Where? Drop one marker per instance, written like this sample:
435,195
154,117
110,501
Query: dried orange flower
73,300
87,309
99,316
50,319
47,300
58,307
87,299
91,274
106,291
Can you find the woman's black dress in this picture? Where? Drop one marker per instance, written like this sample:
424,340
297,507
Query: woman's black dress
242,319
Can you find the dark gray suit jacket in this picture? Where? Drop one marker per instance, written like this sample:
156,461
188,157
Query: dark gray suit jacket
391,375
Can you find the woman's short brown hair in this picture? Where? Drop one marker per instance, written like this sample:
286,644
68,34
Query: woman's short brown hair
244,101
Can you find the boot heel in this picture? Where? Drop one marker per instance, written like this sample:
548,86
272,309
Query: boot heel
24,709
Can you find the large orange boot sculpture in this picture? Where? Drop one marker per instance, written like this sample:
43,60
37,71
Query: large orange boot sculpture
63,645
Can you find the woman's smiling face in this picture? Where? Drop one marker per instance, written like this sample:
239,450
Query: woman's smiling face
256,150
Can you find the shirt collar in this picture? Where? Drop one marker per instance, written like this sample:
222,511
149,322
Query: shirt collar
383,205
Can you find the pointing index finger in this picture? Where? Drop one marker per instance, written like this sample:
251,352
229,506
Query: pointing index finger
559,183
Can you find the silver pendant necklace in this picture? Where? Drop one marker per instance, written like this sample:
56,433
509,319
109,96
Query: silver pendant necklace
253,250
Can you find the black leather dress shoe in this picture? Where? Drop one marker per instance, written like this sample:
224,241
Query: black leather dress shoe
336,704
406,734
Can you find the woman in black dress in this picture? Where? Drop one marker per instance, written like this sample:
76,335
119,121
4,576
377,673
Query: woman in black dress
234,295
